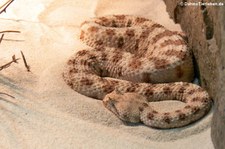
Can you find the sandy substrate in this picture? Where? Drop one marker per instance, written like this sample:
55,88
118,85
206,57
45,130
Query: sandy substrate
46,113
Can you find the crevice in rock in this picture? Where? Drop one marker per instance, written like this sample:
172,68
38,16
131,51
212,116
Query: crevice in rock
196,69
178,11
209,30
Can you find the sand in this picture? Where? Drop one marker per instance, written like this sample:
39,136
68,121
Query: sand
45,112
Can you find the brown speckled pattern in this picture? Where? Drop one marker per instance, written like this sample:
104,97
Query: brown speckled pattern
133,61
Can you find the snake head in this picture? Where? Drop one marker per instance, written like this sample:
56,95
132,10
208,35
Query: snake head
126,107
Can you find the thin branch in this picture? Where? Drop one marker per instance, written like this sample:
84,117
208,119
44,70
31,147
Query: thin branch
10,31
7,94
16,40
5,6
14,60
1,38
25,62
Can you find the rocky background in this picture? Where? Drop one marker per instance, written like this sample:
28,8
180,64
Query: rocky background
205,28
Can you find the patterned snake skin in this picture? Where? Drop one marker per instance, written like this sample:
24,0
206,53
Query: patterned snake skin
133,61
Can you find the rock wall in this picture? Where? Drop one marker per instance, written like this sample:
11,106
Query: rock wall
205,28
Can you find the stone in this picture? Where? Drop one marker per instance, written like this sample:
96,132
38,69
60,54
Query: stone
205,28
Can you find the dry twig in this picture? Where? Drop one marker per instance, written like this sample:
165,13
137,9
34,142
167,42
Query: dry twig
14,40
1,38
5,6
25,62
7,94
10,31
14,60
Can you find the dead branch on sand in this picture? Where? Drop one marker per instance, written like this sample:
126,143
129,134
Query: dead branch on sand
14,60
5,6
25,62
7,94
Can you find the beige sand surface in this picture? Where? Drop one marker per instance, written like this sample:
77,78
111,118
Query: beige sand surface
46,113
